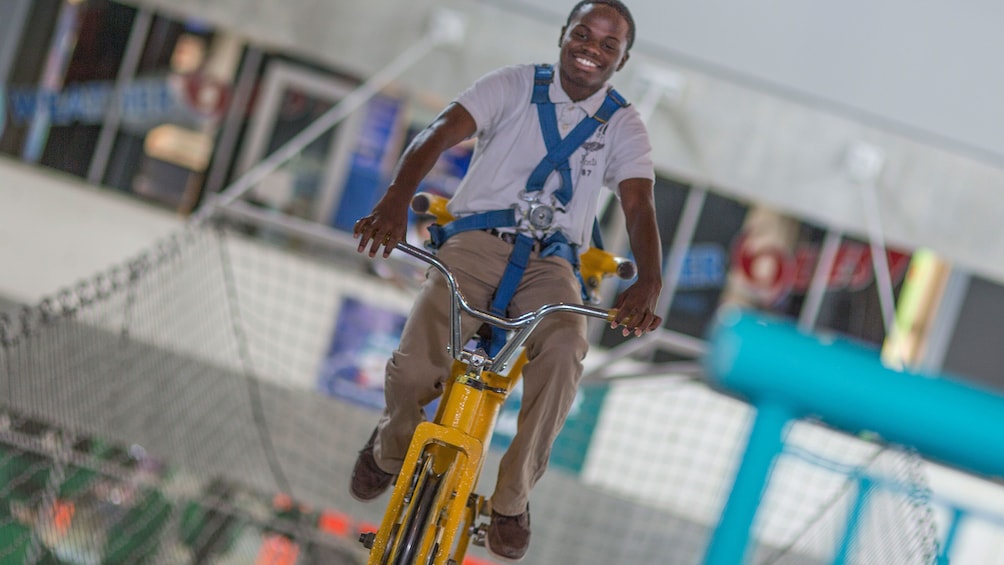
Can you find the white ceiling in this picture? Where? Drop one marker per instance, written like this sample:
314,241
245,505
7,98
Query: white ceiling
930,69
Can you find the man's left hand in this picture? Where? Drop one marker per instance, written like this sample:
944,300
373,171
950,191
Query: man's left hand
636,308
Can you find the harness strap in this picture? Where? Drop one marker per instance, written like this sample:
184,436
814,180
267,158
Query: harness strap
597,234
555,245
483,221
518,260
558,149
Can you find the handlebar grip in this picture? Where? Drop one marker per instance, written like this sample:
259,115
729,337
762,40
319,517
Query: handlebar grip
433,205
626,269
420,203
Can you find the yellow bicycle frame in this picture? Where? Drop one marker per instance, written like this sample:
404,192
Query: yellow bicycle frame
458,438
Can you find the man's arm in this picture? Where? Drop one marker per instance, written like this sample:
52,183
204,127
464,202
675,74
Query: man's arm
387,224
636,305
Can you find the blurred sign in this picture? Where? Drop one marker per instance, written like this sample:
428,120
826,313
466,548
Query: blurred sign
363,340
142,101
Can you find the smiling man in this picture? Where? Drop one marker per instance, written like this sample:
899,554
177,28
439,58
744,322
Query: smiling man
549,137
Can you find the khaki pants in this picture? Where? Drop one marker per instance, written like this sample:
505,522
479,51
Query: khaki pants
417,370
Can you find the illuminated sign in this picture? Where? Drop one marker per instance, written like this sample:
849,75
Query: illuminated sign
774,272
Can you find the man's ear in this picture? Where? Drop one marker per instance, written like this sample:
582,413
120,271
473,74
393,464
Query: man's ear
561,38
624,59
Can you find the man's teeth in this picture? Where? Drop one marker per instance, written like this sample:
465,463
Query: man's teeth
585,62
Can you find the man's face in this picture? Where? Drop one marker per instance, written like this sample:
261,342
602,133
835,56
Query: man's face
593,47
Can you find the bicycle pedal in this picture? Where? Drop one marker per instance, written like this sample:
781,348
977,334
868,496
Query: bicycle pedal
478,535
482,506
367,539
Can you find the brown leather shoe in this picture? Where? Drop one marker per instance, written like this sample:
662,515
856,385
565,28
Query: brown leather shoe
508,536
368,479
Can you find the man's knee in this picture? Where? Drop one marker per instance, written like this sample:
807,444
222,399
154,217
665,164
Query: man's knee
407,381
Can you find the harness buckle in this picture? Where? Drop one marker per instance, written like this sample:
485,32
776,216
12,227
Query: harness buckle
510,238
541,216
535,216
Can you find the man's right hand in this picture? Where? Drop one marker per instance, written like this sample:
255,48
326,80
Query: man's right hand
385,226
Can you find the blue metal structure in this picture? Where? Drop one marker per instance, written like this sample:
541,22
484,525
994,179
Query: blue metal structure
787,374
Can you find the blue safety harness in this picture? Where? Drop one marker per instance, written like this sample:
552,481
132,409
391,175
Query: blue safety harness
558,151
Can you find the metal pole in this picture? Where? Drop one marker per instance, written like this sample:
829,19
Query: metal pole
946,319
60,52
232,123
880,263
864,165
671,274
17,22
820,280
682,240
127,72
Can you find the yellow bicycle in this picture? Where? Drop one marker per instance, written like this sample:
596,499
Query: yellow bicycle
433,512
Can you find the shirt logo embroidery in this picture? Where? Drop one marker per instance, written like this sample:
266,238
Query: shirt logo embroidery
595,143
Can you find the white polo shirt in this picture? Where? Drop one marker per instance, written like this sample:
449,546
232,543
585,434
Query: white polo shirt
510,145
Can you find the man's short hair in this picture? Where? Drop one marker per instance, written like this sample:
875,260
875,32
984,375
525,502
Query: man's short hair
616,5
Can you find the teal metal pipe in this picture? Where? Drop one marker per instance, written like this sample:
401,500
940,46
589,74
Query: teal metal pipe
766,360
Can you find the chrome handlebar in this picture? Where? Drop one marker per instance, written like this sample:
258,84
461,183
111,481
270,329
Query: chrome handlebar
523,326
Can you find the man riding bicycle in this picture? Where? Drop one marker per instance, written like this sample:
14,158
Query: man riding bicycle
548,139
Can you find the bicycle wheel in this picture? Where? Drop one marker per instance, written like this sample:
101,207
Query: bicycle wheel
419,516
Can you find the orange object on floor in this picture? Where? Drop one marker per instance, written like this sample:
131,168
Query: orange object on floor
334,523
277,550
62,515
